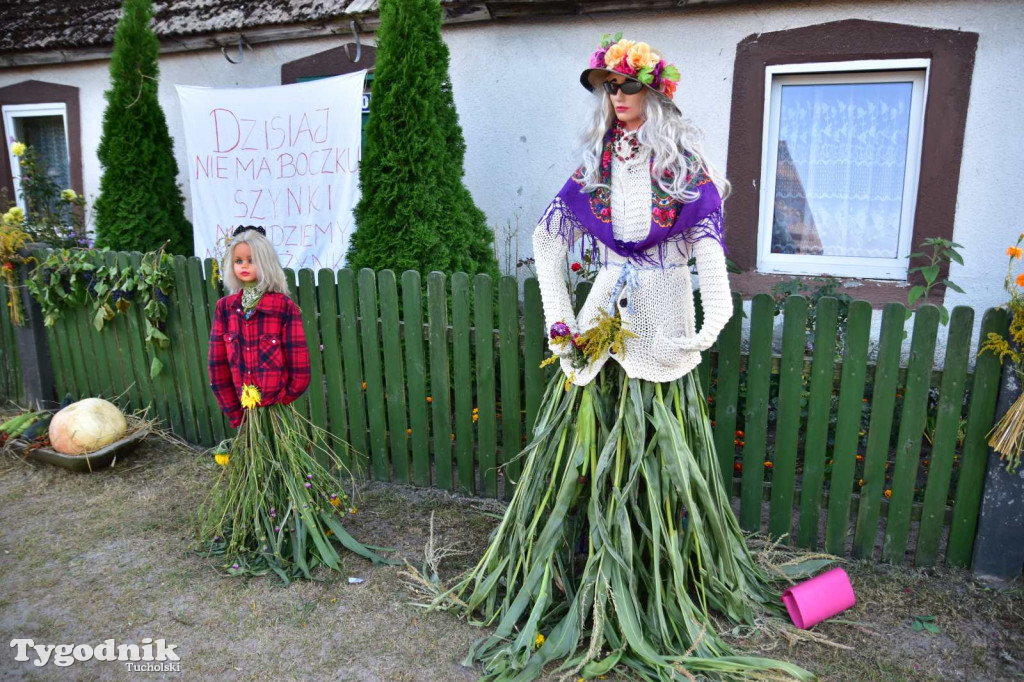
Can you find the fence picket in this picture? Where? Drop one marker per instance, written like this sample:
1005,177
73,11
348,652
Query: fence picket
487,431
139,354
508,325
848,420
533,352
372,375
311,323
352,363
412,310
440,383
394,374
974,460
727,391
334,378
882,402
908,443
755,411
944,437
818,409
201,320
196,371
787,424
165,390
462,376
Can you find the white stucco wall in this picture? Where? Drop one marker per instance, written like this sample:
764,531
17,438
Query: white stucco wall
521,106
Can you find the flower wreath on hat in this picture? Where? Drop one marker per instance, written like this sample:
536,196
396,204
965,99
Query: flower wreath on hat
634,60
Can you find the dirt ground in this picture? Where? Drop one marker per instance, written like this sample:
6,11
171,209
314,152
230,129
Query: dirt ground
87,557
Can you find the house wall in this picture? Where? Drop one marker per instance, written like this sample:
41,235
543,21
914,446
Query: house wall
520,104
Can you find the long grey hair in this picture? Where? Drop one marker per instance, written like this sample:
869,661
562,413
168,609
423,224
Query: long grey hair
264,257
675,141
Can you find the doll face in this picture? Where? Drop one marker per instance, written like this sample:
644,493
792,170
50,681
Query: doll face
244,268
628,108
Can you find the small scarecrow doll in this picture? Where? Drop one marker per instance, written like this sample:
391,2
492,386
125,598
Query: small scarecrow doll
619,548
278,502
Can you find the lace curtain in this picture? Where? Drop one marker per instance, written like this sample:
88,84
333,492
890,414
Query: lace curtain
45,134
841,167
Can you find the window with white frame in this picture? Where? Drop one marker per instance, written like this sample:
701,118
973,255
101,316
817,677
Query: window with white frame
43,127
841,162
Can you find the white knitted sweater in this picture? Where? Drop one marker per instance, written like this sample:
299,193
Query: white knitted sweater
667,344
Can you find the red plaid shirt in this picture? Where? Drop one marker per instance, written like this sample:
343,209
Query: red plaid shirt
267,350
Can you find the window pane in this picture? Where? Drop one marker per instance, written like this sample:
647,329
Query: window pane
45,134
840,172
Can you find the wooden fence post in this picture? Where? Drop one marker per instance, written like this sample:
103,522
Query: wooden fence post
33,350
999,545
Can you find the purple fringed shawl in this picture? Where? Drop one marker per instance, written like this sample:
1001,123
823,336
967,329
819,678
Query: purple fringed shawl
672,221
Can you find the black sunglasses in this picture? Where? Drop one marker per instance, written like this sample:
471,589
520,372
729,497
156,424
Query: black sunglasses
630,87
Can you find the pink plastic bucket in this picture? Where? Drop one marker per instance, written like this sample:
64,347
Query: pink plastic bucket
821,597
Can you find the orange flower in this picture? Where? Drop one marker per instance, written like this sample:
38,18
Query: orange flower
864,400
1020,280
640,55
738,466
888,494
860,458
860,482
739,434
1014,252
669,88
408,432
429,400
768,465
616,53
364,385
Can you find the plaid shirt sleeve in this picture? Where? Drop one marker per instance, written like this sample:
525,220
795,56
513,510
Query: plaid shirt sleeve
297,354
220,372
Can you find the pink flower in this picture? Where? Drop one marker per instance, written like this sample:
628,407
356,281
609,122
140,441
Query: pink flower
626,68
597,60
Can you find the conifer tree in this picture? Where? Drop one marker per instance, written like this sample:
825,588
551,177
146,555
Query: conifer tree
415,213
140,205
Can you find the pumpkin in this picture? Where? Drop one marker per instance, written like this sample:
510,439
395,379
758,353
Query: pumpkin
86,426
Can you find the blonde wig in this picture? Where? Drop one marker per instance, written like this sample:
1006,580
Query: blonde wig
264,257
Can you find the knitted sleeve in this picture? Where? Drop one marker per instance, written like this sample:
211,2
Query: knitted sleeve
551,241
715,295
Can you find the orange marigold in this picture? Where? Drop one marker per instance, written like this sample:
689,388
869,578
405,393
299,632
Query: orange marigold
1020,280
1014,252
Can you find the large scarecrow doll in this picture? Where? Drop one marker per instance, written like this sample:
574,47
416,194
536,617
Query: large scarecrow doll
619,542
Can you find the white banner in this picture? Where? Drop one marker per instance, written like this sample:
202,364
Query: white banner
285,157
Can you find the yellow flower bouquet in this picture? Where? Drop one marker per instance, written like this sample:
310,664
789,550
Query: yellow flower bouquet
1007,436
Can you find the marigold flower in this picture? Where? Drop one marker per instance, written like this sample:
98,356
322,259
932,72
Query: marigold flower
888,493
860,482
1020,280
429,400
738,466
739,434
860,458
352,510
222,458
18,148
15,215
1014,252
768,464
335,501
538,641
364,385
250,396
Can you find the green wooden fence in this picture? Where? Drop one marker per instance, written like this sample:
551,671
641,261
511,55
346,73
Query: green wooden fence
858,458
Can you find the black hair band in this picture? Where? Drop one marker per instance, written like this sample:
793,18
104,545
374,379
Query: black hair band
242,228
